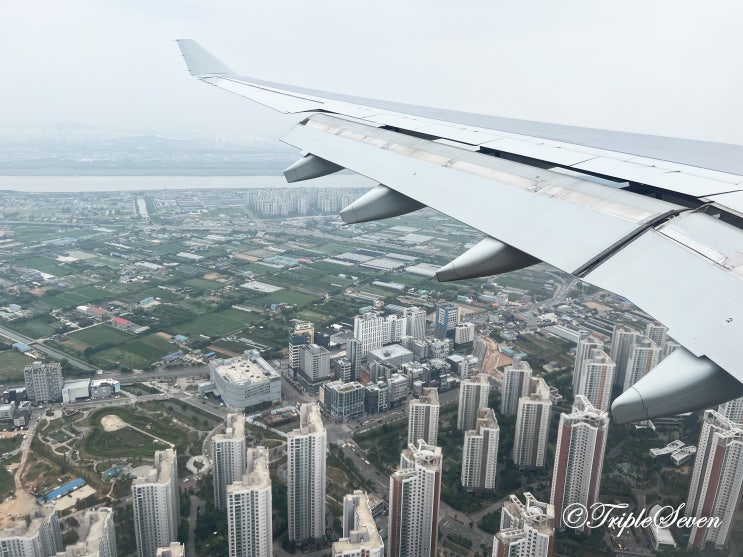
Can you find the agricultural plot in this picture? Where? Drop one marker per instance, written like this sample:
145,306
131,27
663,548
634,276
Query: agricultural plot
151,347
153,291
46,265
11,366
116,358
138,353
220,323
84,296
41,326
100,334
203,284
167,248
319,319
290,297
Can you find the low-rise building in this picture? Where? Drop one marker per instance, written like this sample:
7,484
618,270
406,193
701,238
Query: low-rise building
75,390
660,537
245,381
343,400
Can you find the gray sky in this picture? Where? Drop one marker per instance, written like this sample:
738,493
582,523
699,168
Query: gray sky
668,67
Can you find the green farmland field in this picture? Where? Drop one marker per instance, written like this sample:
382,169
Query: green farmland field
100,334
220,323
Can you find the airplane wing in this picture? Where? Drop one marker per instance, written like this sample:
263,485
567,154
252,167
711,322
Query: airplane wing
657,220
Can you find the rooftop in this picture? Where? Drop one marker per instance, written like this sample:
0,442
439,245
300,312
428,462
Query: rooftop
258,475
235,428
21,529
310,421
365,535
245,369
91,530
162,470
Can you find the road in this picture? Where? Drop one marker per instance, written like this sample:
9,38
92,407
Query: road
38,345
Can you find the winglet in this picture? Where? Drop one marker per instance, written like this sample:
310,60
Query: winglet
199,60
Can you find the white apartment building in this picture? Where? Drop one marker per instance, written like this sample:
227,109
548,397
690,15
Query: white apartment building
623,338
315,361
423,418
415,322
596,379
516,378
156,504
532,426
732,410
473,395
464,333
526,529
480,453
97,537
40,537
360,535
369,330
44,381
586,347
249,519
306,448
303,333
644,356
414,503
228,456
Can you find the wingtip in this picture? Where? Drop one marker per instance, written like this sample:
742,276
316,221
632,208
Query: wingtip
199,60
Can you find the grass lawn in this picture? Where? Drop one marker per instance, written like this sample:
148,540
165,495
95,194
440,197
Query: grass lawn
195,417
140,389
158,424
220,323
12,364
124,442
100,334
8,444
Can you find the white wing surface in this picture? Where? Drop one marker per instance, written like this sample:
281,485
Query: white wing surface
654,219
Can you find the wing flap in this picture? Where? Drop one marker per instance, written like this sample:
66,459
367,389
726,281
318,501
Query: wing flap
687,273
543,207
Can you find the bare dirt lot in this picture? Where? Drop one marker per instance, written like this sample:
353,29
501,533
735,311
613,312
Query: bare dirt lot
111,422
